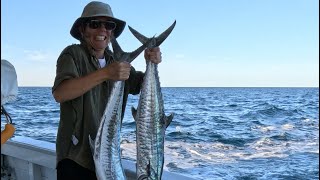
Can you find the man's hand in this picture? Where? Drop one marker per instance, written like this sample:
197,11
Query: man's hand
118,71
153,55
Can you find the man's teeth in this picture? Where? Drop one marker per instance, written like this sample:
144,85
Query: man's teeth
100,38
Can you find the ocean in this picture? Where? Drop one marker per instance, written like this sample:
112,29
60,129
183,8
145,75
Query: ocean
216,133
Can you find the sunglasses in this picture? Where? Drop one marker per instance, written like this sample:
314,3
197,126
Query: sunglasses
95,24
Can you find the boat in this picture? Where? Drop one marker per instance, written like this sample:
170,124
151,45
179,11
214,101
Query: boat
24,158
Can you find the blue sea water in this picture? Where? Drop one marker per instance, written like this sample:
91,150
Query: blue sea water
216,133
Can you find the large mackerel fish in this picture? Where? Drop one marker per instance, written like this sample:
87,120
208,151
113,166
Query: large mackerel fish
106,146
151,121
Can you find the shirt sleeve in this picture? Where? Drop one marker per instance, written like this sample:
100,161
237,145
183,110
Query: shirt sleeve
66,69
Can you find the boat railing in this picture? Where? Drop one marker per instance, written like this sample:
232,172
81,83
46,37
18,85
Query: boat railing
26,158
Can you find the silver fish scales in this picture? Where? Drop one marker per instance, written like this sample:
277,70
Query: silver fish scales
151,121
106,146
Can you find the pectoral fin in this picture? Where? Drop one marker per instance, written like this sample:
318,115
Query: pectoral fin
134,113
168,119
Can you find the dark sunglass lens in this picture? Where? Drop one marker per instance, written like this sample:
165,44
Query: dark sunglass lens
93,24
109,25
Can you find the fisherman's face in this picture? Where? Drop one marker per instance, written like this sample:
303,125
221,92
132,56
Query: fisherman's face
98,31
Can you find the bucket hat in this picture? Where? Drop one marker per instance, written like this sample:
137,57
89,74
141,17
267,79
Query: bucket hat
97,9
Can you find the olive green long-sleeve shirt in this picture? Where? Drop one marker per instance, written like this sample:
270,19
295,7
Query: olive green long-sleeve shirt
81,116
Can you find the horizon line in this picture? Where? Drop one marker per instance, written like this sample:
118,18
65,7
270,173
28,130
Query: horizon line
207,86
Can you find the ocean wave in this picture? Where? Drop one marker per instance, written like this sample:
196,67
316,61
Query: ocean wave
216,133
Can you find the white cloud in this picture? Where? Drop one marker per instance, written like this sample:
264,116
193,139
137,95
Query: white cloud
36,55
10,52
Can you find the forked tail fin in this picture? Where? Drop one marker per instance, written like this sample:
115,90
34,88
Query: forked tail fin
156,41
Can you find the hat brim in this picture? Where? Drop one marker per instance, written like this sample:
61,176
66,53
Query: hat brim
120,25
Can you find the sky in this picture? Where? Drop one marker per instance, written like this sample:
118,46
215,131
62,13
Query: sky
215,43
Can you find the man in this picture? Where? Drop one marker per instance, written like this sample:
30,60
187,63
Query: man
83,83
